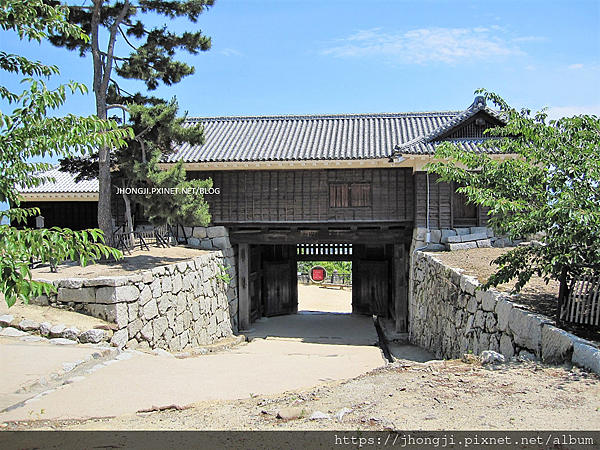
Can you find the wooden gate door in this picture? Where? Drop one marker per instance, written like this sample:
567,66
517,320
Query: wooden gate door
279,288
370,287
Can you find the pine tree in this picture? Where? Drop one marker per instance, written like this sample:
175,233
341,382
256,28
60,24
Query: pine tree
157,129
151,59
172,198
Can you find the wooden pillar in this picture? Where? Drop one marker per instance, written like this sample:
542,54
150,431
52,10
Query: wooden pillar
293,255
244,287
400,289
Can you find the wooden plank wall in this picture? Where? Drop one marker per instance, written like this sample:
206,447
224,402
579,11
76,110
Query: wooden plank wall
303,195
483,216
440,200
440,203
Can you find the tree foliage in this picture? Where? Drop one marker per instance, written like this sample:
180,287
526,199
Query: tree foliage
343,267
550,189
157,128
150,57
26,131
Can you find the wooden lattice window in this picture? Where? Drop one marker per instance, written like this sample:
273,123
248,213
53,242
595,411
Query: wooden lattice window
361,195
464,213
471,130
338,195
346,195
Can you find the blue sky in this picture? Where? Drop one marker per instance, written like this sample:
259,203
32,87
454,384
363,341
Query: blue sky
350,56
357,56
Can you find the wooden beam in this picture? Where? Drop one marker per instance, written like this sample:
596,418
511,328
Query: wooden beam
321,236
244,287
400,289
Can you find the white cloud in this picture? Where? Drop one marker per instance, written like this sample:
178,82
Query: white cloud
529,39
576,66
556,112
230,52
424,45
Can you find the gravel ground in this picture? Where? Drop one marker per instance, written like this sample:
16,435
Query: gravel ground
129,264
440,395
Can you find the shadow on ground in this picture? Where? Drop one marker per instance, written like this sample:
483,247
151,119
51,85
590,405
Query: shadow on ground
332,328
323,328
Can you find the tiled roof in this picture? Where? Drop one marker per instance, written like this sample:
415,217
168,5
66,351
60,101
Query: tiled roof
64,183
425,143
421,147
306,138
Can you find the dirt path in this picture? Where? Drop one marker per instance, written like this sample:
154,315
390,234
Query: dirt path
449,395
316,298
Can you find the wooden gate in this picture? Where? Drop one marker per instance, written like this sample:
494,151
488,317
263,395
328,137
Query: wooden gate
370,287
280,288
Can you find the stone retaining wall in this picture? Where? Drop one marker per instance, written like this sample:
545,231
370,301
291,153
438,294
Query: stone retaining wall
217,238
449,316
168,307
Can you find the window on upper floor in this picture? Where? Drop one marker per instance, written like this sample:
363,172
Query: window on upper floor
349,195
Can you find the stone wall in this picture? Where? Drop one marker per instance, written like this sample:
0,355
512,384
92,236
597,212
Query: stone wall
458,239
449,316
217,238
169,307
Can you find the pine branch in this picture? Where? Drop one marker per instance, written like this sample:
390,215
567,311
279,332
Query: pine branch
111,44
123,107
127,40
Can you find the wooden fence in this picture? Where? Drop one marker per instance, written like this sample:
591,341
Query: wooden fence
162,236
579,297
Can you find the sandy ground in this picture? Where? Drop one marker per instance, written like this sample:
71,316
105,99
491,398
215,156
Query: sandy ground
477,262
448,395
138,260
316,298
54,316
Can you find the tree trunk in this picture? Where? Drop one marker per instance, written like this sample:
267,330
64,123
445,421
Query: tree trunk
102,70
104,207
128,218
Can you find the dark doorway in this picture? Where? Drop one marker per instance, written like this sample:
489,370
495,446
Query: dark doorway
268,278
279,283
370,293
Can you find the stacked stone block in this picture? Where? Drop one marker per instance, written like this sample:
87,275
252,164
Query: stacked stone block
450,316
458,239
217,239
169,307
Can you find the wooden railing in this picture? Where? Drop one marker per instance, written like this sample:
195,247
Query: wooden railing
341,279
579,296
161,236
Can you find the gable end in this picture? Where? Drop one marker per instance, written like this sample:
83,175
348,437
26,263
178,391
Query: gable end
472,128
